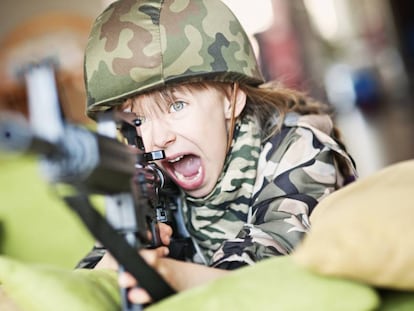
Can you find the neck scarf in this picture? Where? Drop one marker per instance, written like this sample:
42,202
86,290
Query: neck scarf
221,214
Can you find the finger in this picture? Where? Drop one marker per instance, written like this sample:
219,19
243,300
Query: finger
126,280
135,294
165,229
165,233
138,295
151,256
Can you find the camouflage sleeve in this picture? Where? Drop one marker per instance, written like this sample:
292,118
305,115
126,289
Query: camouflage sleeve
295,171
92,258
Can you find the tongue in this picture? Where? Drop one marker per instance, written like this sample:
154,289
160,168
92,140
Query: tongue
188,166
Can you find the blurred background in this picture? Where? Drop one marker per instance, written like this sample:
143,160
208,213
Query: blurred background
358,55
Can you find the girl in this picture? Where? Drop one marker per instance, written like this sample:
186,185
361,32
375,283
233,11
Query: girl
252,159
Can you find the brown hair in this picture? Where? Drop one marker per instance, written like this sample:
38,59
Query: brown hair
273,100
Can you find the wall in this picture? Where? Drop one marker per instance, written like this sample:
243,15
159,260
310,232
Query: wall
13,12
33,30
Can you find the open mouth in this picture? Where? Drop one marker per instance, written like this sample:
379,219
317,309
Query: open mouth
186,170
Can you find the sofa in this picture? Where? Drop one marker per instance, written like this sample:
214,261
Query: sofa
358,255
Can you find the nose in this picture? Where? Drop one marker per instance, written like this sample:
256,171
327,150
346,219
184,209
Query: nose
162,134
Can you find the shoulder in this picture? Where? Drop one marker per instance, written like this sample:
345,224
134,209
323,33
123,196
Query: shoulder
306,134
303,147
300,136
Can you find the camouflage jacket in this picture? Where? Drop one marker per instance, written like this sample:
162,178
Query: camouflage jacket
295,169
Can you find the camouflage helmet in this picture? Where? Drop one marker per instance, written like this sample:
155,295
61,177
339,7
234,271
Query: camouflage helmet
140,45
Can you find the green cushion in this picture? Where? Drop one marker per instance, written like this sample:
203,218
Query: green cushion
36,287
276,283
36,226
396,300
273,284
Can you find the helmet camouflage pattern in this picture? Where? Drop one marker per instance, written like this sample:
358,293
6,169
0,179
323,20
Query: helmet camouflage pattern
140,45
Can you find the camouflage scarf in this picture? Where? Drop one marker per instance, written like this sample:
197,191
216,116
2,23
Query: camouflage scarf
221,214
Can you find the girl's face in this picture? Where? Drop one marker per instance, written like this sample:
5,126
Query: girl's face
191,125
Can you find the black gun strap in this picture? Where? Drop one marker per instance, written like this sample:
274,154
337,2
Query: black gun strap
119,248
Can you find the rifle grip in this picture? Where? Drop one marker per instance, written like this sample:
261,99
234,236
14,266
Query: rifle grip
155,235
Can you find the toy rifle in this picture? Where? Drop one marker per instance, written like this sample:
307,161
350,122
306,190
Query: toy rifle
137,193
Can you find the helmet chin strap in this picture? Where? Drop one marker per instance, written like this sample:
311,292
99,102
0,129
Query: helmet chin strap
233,113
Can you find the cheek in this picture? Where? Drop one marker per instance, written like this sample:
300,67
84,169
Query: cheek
214,142
145,133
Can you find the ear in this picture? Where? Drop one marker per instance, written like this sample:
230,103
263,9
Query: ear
238,98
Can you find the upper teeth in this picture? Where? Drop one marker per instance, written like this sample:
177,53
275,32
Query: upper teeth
176,159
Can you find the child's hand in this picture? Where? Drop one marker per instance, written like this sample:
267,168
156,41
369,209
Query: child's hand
108,262
165,233
136,294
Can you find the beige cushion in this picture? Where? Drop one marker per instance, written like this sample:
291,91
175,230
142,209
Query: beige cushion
365,231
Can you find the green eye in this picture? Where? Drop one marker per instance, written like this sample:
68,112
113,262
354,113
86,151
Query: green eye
177,106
